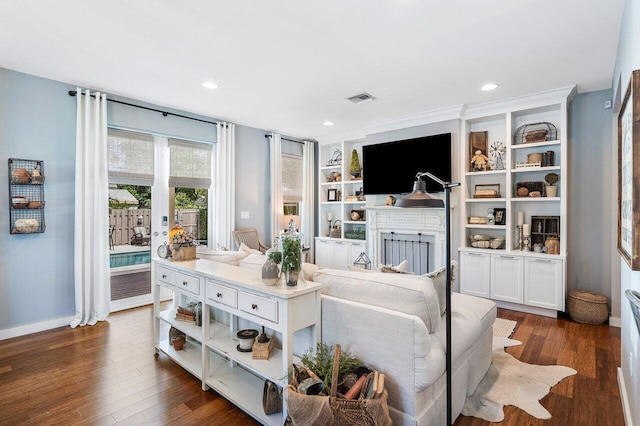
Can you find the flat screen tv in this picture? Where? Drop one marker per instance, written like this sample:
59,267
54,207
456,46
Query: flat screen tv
391,167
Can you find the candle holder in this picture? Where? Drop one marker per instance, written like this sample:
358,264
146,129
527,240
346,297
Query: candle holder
524,241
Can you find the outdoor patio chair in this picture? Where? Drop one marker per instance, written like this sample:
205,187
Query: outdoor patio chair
249,236
140,236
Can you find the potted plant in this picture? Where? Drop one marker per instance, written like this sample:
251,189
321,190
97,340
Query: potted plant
291,246
355,164
551,190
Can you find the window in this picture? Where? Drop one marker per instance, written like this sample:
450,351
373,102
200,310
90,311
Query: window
130,157
189,164
189,182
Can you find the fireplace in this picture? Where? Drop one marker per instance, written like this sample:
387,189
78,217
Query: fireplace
414,234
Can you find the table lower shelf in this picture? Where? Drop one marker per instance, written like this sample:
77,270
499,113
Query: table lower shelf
241,387
189,358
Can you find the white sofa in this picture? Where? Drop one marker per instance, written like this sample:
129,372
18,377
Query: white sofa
393,323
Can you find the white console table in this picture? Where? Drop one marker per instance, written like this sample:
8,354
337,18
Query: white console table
210,352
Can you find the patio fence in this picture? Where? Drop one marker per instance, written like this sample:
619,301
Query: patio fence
124,220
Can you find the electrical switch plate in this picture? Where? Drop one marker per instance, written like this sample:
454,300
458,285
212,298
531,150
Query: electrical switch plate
244,215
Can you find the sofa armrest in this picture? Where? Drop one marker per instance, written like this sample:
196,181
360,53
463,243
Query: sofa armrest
392,342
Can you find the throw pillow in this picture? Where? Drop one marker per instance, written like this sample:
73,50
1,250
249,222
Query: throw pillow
244,247
400,269
439,280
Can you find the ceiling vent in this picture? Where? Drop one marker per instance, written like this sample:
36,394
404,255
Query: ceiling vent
361,98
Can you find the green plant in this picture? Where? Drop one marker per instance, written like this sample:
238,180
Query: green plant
551,178
291,253
355,162
320,362
276,256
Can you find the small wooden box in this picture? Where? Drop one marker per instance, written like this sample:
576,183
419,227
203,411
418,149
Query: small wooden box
261,350
180,253
487,190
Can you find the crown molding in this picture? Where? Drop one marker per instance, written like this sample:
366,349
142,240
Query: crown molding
413,120
536,100
340,137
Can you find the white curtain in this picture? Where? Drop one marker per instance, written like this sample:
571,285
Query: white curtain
91,243
308,205
275,166
225,199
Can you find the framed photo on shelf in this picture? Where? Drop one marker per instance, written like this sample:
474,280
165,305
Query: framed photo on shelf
629,173
332,194
500,215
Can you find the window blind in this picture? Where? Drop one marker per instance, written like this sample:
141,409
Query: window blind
189,164
291,178
130,157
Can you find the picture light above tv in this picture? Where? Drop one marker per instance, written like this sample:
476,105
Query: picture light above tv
391,167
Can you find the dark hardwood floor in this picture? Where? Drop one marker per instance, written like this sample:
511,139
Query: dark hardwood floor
107,374
590,397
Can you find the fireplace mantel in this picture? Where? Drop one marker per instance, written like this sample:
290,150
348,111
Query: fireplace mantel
386,219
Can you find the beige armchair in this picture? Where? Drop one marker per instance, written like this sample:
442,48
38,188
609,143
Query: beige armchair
249,236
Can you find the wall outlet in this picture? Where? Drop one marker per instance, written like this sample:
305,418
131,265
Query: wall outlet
607,104
244,215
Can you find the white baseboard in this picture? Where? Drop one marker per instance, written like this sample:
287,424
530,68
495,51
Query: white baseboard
615,322
626,410
35,327
528,309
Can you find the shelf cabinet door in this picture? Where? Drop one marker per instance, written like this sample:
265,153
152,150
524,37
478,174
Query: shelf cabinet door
507,278
341,254
324,253
475,274
543,283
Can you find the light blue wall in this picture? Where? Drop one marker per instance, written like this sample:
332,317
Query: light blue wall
590,239
38,121
627,60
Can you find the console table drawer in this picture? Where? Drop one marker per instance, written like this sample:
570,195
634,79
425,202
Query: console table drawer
258,306
165,275
188,283
222,294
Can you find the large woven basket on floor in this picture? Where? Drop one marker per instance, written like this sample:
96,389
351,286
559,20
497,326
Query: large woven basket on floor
588,307
333,410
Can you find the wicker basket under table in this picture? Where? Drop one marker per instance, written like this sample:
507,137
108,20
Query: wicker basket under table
588,307
334,410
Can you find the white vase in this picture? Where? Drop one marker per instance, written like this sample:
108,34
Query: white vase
551,190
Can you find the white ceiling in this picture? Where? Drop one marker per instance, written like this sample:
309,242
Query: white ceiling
287,66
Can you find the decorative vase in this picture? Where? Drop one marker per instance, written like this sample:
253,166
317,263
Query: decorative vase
178,342
552,244
270,272
551,190
291,246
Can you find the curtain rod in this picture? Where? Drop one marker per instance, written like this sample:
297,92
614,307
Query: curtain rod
165,113
285,139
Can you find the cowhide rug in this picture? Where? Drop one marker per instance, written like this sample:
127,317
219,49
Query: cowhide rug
512,382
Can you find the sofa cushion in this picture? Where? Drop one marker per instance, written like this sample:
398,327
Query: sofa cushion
410,294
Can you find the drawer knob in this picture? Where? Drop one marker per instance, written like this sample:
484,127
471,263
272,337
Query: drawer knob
254,306
184,283
164,276
219,295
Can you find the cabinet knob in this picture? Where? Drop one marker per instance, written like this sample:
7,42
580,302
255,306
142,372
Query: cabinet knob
184,283
254,306
164,276
218,294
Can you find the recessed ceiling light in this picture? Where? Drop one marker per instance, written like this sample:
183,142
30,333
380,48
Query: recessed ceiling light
209,85
489,86
328,123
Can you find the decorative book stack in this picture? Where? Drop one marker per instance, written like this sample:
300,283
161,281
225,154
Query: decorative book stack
191,313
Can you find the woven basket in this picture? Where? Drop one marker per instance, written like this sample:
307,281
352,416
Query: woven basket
333,410
588,307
